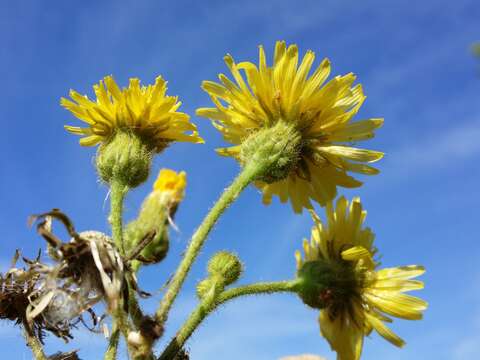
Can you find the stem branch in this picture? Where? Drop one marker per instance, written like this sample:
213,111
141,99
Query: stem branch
111,353
229,196
204,308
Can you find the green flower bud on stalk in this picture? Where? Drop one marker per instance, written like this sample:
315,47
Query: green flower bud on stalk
125,158
211,285
223,269
225,265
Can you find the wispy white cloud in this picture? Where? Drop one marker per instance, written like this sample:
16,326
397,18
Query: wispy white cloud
292,233
468,347
303,357
251,327
438,150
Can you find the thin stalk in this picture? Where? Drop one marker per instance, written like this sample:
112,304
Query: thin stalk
35,346
120,325
259,288
117,196
111,353
228,197
136,312
203,309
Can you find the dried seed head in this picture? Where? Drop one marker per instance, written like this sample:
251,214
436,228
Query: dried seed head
87,269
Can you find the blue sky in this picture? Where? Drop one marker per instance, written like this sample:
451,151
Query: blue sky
416,69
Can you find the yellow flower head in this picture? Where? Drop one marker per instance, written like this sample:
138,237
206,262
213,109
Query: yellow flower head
360,297
143,110
322,114
171,182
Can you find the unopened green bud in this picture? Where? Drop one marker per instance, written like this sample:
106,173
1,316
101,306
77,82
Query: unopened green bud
277,148
225,265
125,158
209,286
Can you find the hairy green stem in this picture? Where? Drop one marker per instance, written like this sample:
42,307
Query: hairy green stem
120,325
136,312
229,195
118,190
34,345
111,353
117,195
205,308
259,288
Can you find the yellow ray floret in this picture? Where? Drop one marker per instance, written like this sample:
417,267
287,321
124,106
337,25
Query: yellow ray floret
171,182
144,110
354,308
322,113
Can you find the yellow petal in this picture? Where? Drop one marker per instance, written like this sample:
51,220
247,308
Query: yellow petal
401,272
360,168
233,151
113,87
397,304
280,48
384,331
352,153
343,335
77,130
356,253
396,285
91,140
215,89
358,130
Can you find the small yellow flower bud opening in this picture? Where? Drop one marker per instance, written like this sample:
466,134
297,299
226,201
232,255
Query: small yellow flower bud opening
171,182
156,213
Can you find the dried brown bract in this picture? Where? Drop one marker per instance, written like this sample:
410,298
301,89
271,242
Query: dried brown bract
19,288
72,355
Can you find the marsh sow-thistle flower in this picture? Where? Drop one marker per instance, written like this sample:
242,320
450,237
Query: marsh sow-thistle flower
318,118
131,124
145,110
341,278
